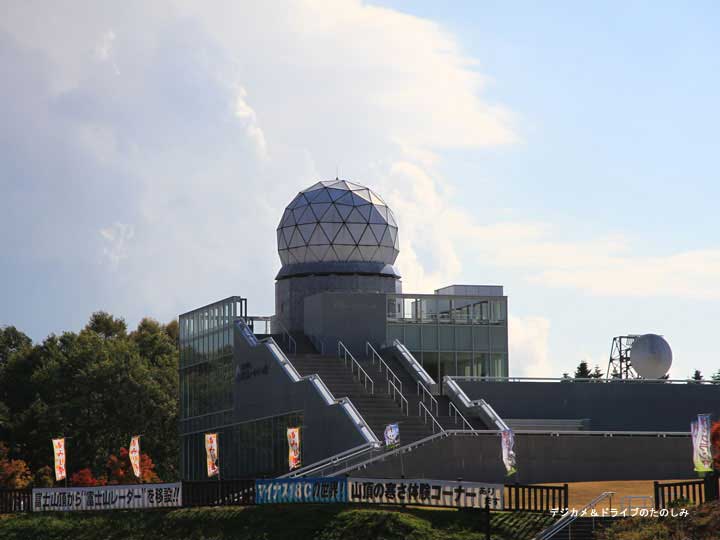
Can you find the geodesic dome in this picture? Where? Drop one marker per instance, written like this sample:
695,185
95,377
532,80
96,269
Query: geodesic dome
337,221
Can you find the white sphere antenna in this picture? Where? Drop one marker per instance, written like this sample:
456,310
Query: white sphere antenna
651,356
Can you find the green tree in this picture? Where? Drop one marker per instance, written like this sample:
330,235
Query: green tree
582,371
597,374
98,387
697,376
12,340
106,325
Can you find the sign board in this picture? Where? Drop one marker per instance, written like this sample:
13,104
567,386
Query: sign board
424,492
301,490
107,497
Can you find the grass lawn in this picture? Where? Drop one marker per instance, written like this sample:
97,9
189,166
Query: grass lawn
281,522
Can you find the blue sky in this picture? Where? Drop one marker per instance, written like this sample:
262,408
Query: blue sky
565,150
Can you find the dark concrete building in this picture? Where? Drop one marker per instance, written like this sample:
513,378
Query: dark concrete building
348,352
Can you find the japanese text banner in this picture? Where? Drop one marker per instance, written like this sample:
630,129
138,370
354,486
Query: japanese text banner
107,497
301,490
424,492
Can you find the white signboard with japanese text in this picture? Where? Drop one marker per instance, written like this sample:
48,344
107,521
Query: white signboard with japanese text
107,497
424,492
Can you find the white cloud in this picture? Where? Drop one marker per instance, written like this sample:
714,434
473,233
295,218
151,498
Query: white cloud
529,347
117,237
197,125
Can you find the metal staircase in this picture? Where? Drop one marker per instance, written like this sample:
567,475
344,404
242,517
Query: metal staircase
378,409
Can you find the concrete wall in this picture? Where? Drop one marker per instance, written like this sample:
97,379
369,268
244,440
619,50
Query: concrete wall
616,406
353,318
290,293
262,389
544,458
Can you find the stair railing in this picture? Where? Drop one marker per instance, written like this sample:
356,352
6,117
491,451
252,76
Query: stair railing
423,392
346,355
287,338
388,372
569,517
397,393
425,412
455,413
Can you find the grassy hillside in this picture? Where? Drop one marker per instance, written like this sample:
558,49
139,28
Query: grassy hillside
702,523
281,522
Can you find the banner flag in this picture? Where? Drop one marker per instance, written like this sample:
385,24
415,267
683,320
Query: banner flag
59,452
700,434
135,455
424,492
293,437
508,454
392,436
73,499
211,451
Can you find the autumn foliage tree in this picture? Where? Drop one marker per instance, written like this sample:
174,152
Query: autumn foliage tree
14,473
85,478
715,442
120,469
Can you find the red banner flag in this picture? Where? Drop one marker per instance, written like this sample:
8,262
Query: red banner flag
293,437
211,450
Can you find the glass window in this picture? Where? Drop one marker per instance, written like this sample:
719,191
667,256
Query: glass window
446,338
499,364
412,336
480,365
430,363
465,364
429,338
447,364
444,315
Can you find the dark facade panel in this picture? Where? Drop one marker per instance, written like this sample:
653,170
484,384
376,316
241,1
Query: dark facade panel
352,318
612,406
544,458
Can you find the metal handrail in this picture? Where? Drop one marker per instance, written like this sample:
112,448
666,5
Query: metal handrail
426,392
374,355
569,517
336,459
397,392
599,380
452,408
424,412
346,353
414,364
292,344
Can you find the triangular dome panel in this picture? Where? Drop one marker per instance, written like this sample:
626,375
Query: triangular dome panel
306,231
330,229
344,237
357,230
318,237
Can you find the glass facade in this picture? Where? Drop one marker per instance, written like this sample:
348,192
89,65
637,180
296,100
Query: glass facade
206,369
250,449
452,335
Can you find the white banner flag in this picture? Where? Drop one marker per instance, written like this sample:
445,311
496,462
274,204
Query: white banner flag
702,454
508,454
59,453
134,453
